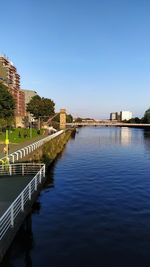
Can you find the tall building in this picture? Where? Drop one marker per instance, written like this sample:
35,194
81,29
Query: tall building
126,115
28,96
113,116
10,77
121,116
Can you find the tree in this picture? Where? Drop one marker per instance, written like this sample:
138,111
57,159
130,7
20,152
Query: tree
69,118
146,118
78,119
7,103
41,107
134,120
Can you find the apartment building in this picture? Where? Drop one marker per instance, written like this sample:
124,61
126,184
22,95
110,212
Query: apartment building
10,77
121,116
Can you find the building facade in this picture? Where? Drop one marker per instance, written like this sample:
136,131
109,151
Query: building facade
10,77
28,96
113,116
126,115
121,116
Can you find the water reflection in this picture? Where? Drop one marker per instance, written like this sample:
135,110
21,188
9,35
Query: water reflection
117,136
125,135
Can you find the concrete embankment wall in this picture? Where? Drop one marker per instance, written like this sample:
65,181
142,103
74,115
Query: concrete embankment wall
48,152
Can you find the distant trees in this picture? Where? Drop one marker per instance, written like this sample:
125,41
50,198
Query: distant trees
134,120
146,118
7,104
41,107
78,119
69,118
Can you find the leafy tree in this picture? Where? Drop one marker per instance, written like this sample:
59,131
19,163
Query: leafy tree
41,107
146,118
7,103
69,118
26,122
134,120
78,119
57,118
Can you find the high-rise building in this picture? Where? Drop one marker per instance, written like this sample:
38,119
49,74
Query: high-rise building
10,77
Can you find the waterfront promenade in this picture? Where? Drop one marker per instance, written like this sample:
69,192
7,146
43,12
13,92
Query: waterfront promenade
24,151
16,146
20,184
19,187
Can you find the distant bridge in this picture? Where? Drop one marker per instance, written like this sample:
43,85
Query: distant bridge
108,124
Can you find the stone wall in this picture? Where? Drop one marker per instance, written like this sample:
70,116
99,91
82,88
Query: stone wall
48,152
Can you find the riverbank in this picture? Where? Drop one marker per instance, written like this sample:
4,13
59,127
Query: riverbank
49,151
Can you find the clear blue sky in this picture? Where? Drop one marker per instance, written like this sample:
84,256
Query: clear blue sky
90,56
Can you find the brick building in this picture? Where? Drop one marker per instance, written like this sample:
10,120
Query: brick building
10,77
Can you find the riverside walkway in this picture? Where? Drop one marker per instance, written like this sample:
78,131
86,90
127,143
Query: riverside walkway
23,151
19,186
16,146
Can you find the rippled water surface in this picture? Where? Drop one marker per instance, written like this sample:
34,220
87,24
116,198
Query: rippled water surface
95,207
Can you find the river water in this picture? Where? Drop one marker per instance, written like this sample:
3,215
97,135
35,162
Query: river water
94,210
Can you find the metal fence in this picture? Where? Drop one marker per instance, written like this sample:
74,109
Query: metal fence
23,152
20,169
7,221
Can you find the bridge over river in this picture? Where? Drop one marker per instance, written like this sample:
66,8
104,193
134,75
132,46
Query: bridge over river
107,124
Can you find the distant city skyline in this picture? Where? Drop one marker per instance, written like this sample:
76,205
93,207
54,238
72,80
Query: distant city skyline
91,57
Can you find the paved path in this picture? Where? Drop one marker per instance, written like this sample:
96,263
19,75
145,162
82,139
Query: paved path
10,188
14,147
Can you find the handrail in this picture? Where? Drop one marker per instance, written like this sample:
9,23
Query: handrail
7,220
20,153
20,168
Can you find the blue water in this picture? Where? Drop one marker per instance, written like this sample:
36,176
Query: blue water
95,208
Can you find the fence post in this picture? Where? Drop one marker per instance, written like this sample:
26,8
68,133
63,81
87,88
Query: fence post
40,176
36,183
22,202
10,170
44,170
22,169
29,191
12,216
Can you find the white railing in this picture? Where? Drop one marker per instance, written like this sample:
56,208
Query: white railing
23,152
7,221
20,169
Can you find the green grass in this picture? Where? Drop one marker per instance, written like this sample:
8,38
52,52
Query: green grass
20,135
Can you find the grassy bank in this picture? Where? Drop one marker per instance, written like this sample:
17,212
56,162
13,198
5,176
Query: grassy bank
20,135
